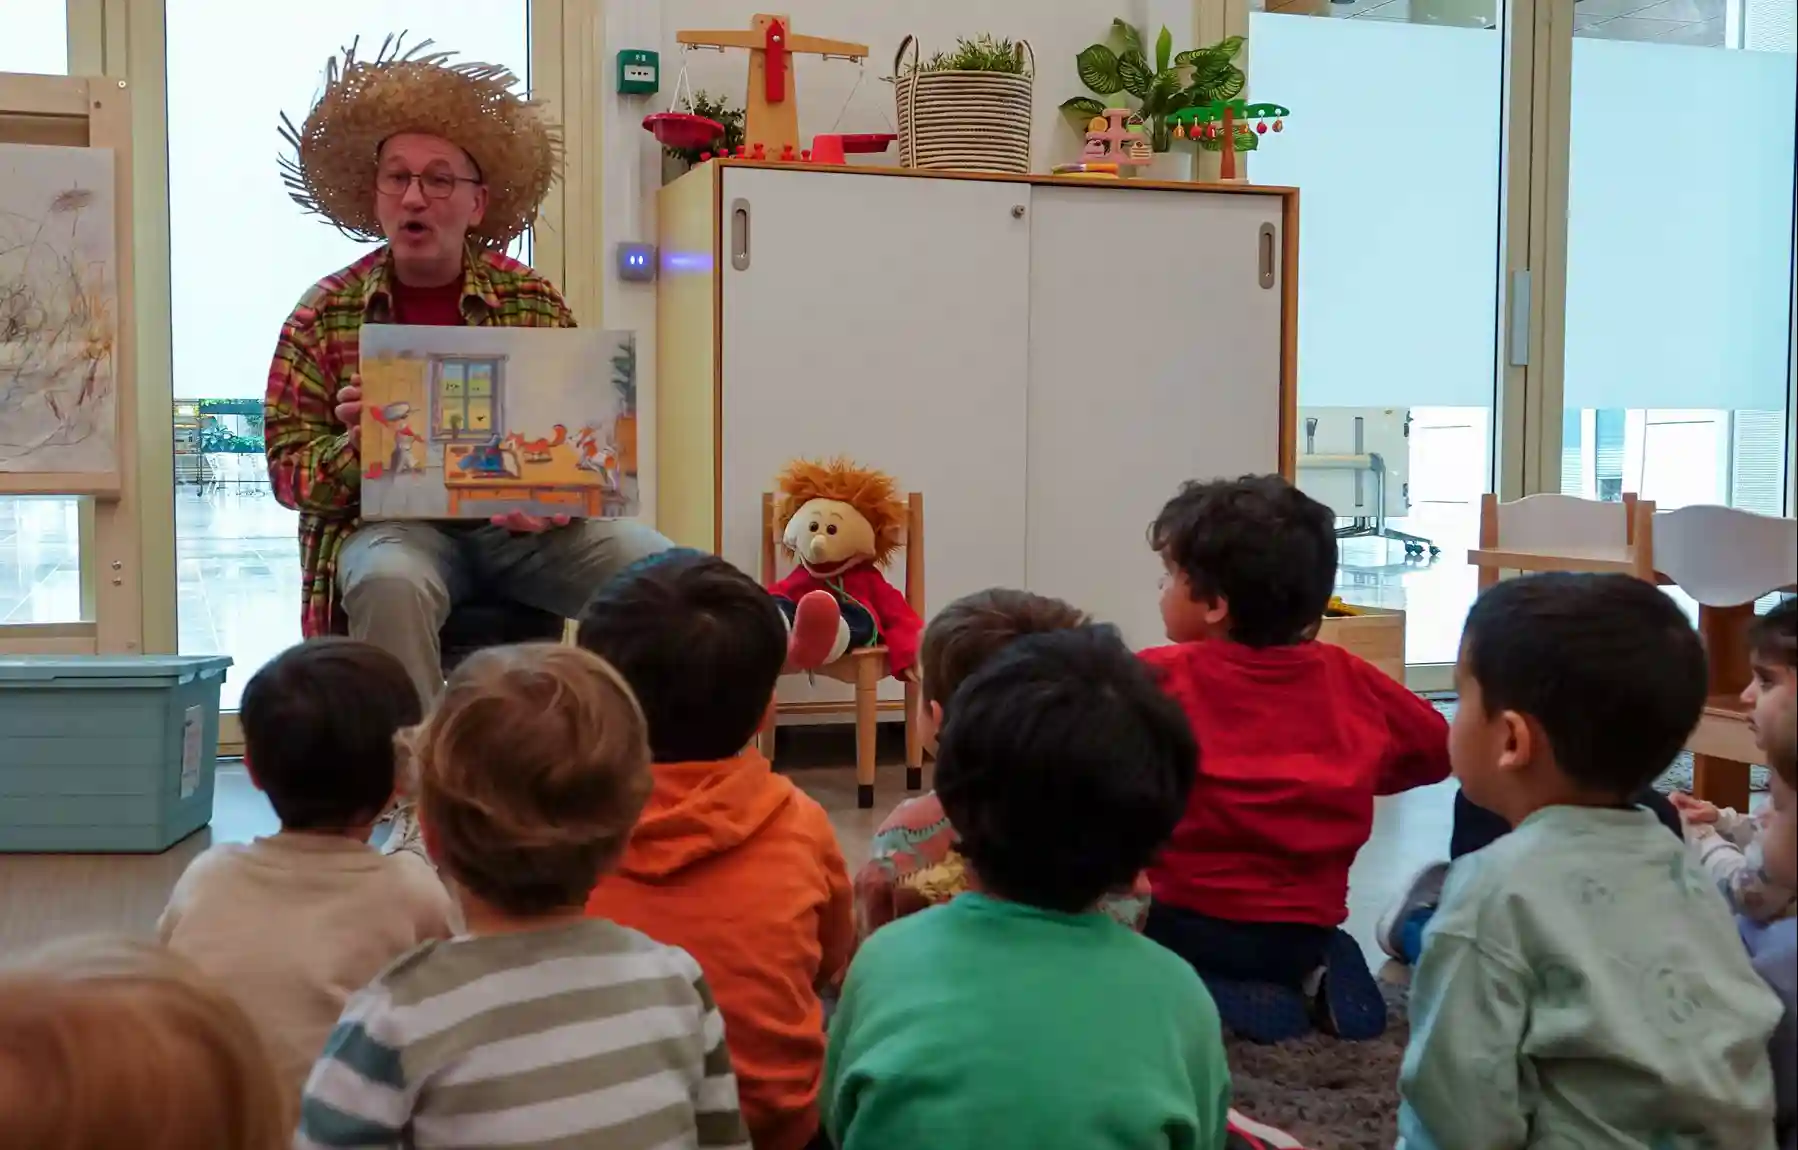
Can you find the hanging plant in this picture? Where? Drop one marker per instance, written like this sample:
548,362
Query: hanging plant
713,108
1175,81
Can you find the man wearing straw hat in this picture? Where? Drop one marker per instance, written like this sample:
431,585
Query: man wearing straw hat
445,165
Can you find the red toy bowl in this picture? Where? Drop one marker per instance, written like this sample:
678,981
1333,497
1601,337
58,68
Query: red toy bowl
682,129
867,143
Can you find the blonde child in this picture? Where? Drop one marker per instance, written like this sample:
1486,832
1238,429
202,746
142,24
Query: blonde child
117,1044
296,922
539,1026
1579,983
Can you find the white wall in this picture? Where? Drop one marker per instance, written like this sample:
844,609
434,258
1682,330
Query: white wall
1056,30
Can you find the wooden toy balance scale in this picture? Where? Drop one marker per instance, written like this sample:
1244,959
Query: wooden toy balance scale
771,110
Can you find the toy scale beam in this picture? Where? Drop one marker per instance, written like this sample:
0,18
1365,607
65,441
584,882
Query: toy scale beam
770,108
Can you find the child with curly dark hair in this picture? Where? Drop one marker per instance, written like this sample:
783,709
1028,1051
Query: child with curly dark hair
1296,739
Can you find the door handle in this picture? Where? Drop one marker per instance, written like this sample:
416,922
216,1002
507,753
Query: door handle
739,234
1270,254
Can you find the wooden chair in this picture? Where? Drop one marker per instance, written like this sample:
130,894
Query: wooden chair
1725,559
1552,532
865,668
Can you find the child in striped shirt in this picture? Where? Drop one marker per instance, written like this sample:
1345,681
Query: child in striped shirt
540,1027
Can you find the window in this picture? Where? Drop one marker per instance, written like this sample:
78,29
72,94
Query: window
468,393
40,536
1679,254
1395,143
236,550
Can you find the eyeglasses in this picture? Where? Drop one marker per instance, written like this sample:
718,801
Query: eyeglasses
434,185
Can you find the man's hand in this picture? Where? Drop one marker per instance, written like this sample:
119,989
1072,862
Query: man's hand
519,523
349,412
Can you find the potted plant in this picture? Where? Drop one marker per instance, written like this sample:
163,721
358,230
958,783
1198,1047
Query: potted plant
1173,82
967,108
676,161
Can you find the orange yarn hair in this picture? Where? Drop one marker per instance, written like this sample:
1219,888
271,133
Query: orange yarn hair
873,493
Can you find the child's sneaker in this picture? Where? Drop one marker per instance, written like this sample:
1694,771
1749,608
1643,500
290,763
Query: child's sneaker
1264,1012
1401,926
1349,1002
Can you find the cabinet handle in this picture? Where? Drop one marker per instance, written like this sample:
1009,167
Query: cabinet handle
739,235
1269,255
1017,211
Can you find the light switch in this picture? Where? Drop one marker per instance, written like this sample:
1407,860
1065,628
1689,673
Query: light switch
637,262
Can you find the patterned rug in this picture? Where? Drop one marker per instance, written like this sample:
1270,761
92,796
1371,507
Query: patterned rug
1327,1093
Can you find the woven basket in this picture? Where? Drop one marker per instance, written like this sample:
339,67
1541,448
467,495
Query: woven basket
963,121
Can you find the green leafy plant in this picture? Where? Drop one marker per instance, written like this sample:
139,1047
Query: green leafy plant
713,108
1174,81
983,53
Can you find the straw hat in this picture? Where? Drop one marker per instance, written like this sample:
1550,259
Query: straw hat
511,140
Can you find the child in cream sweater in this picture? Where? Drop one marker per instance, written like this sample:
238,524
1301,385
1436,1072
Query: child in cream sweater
294,923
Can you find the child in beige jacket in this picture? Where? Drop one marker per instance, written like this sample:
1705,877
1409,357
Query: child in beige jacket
294,923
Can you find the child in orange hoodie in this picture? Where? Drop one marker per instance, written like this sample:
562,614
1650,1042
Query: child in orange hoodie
730,862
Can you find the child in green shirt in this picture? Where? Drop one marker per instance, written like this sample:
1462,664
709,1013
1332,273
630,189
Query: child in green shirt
1018,1015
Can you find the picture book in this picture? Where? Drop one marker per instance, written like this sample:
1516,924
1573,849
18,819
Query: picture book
472,422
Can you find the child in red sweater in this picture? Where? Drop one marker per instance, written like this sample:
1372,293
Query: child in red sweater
1296,739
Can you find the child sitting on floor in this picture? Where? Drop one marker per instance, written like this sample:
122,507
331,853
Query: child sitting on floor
729,861
295,923
540,1026
1016,1015
1579,983
1296,739
1773,693
118,1044
912,861
1730,844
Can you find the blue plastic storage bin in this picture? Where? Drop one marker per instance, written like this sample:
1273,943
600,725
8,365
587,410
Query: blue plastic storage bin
107,753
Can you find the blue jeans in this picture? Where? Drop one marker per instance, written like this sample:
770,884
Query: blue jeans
401,579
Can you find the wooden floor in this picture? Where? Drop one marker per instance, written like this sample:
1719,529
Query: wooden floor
50,896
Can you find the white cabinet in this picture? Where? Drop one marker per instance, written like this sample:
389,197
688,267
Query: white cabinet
1154,358
1044,359
891,328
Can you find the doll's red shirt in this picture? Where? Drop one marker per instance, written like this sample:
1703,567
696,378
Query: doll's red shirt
1294,744
899,624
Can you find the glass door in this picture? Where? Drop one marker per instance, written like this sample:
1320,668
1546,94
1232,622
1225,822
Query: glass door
236,549
1396,143
40,535
1679,253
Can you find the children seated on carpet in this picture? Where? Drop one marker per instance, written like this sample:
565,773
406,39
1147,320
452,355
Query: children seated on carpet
539,1025
119,1044
1580,983
729,861
1773,695
912,861
1296,739
296,922
1017,1015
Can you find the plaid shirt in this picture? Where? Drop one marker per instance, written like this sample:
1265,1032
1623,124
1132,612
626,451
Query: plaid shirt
310,463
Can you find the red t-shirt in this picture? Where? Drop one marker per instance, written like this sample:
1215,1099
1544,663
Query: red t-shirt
429,307
1294,743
